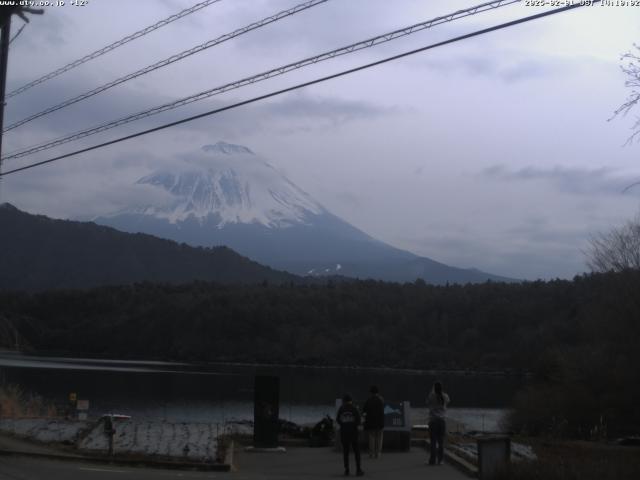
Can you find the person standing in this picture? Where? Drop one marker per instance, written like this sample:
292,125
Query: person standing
374,421
348,418
437,402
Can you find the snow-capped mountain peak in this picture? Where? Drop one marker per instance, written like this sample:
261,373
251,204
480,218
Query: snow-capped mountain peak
225,194
227,183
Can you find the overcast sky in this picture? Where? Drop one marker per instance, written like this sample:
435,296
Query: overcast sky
493,152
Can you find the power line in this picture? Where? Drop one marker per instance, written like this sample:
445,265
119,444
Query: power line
386,37
298,86
174,58
5,25
112,46
17,33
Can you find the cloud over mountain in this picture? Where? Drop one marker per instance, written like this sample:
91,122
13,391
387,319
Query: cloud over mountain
225,194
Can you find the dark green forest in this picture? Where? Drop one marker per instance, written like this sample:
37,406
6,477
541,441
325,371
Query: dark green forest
42,253
487,326
578,338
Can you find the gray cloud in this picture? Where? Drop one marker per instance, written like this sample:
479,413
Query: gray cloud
505,66
336,110
349,199
173,5
578,181
84,187
291,113
43,32
103,107
313,29
534,246
302,112
351,143
541,232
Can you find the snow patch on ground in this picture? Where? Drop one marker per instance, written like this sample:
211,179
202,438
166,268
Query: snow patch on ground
519,451
188,441
44,430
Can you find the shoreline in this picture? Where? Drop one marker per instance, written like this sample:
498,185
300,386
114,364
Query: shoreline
48,356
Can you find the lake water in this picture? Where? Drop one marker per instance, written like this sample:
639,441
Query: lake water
182,392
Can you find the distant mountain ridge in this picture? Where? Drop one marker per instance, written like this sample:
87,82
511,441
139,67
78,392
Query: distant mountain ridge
227,195
41,253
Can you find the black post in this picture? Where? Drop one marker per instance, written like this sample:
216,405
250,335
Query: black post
109,431
4,58
266,410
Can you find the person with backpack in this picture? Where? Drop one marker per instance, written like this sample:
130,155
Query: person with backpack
437,402
348,418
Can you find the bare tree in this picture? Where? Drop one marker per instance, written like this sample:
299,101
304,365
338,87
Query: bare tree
616,250
631,68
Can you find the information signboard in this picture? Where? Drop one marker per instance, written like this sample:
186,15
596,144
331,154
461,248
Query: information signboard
394,415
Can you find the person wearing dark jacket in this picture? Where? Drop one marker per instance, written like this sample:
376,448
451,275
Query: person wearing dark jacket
374,421
348,418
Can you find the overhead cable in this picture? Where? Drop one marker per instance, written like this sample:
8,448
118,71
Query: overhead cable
17,34
386,37
112,46
296,87
168,61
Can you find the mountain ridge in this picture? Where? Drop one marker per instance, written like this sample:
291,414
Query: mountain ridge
42,253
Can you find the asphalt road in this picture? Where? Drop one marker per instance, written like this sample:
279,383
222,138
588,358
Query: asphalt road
27,468
296,464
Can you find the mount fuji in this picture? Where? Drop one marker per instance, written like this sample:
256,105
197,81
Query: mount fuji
226,195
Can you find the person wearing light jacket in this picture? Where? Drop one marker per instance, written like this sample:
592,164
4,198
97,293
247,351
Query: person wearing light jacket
437,402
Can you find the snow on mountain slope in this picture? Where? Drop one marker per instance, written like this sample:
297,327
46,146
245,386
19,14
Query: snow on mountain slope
232,184
224,194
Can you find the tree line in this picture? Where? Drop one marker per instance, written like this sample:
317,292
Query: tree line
580,335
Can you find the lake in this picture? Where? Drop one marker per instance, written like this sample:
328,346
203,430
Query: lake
216,393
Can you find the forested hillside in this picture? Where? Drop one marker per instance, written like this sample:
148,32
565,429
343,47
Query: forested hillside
359,323
580,338
40,253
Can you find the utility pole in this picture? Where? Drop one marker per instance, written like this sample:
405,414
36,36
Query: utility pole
5,39
4,58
